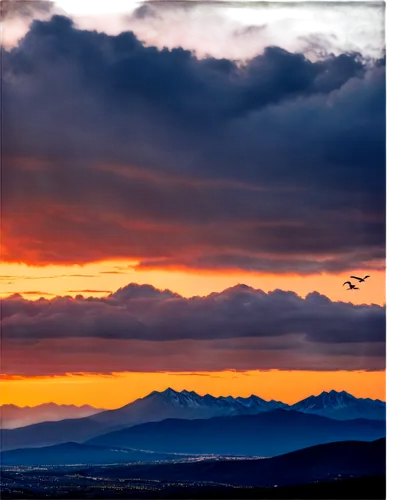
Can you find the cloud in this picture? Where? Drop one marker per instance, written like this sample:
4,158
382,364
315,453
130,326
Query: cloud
175,6
212,28
290,264
143,11
10,9
135,291
247,30
112,150
239,328
113,272
157,11
56,276
322,45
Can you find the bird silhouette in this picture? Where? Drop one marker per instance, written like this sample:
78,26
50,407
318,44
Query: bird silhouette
351,286
360,280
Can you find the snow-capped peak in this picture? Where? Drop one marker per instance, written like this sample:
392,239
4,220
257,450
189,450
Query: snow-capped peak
326,400
221,405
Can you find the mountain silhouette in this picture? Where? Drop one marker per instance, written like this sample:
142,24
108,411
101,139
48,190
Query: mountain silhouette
168,404
342,406
13,416
154,407
264,434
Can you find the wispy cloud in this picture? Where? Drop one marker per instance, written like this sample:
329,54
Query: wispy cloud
11,9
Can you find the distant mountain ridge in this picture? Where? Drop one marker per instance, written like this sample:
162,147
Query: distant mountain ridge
264,434
12,416
185,405
342,406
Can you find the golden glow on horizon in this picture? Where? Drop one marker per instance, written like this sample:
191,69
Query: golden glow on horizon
106,277
116,390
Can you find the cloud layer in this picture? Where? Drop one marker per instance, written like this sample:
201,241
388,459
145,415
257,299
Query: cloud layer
116,150
11,9
141,328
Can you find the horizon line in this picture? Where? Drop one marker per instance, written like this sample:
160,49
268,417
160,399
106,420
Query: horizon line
102,294
170,389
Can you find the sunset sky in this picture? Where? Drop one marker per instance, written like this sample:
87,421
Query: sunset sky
185,188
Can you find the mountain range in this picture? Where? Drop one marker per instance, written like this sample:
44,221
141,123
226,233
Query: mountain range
152,408
342,406
12,416
264,434
185,405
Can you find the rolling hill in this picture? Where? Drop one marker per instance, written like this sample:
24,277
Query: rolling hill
318,463
75,453
265,434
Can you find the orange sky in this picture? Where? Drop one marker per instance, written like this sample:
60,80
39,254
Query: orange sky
117,390
107,277
121,388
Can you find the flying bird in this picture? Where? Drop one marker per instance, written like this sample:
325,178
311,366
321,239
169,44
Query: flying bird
351,286
360,280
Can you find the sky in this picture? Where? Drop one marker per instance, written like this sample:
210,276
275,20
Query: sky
186,186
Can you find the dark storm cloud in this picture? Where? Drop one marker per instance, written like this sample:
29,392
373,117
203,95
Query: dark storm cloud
239,328
143,312
134,291
155,155
290,265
